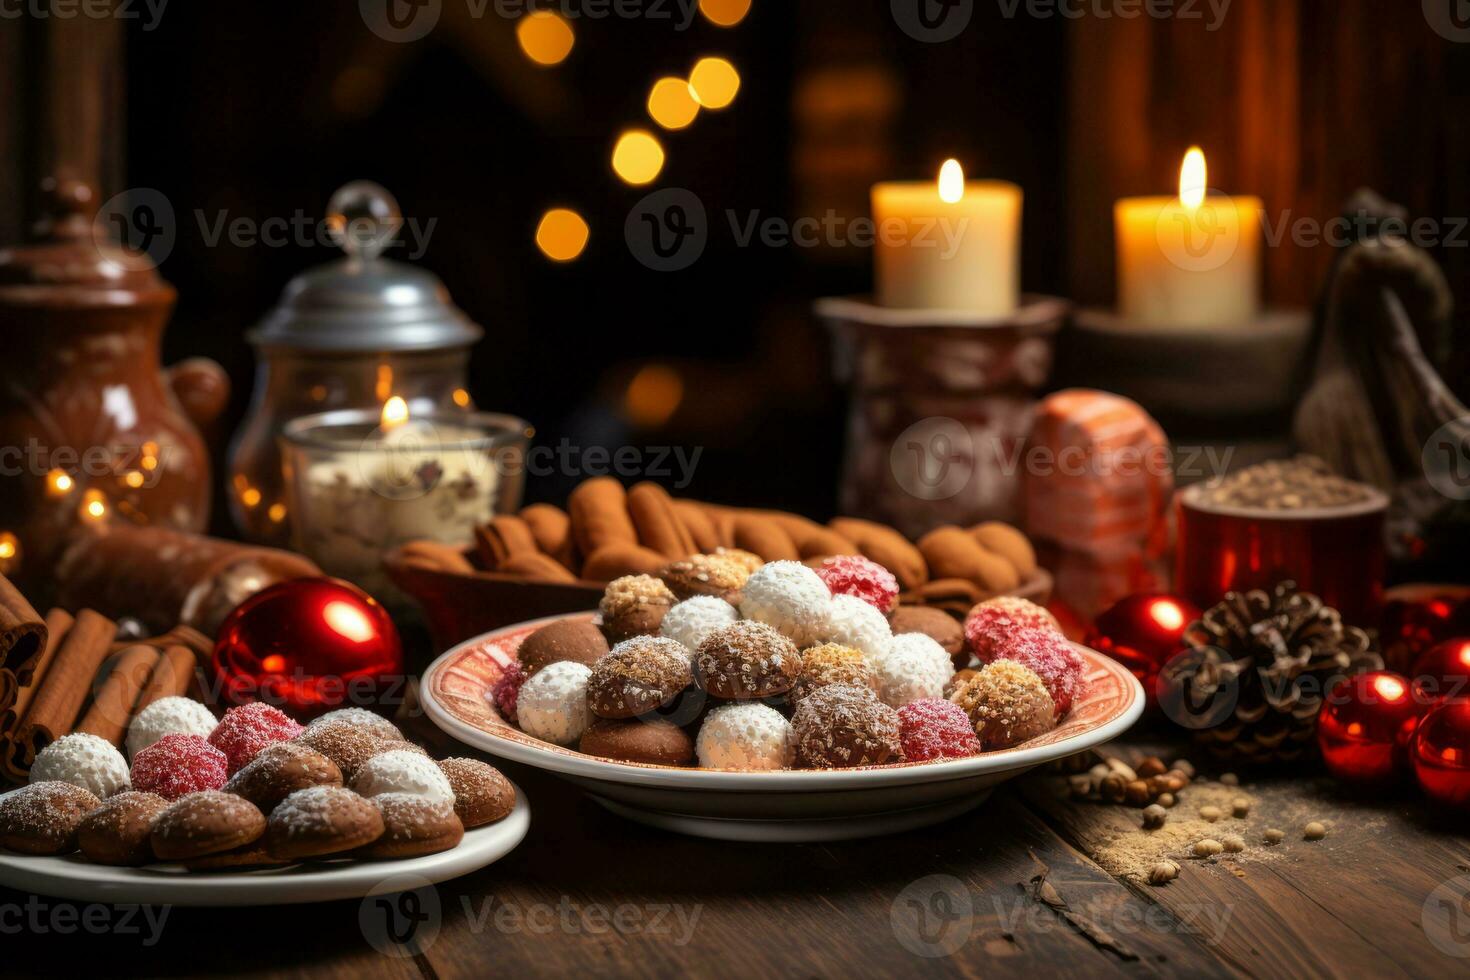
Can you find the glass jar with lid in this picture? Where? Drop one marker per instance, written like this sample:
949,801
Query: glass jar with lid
350,334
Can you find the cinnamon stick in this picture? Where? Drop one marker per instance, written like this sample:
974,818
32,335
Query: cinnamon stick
22,632
171,676
112,708
8,688
62,692
58,624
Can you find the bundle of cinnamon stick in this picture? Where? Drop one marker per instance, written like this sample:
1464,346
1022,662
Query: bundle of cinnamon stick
70,675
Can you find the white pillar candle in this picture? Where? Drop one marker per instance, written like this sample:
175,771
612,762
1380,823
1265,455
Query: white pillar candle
949,245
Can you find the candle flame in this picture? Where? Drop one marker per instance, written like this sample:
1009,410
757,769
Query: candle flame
58,483
94,505
395,412
951,182
1193,179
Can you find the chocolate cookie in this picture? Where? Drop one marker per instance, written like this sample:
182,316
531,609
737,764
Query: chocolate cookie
42,818
345,744
362,718
482,794
655,741
843,725
414,826
638,676
248,858
634,605
205,823
280,770
118,832
321,821
937,624
577,641
746,660
705,575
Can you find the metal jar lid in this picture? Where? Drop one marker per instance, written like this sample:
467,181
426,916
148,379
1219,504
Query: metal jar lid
365,303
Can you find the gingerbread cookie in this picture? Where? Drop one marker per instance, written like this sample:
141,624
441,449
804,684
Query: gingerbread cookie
698,525
118,832
280,770
634,606
542,568
655,742
482,794
414,826
599,513
746,660
552,529
952,553
638,676
659,527
321,821
503,538
576,641
1009,543
205,823
43,818
764,537
615,561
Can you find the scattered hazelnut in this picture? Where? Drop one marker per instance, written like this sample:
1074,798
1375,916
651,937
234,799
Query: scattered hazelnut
1314,831
1233,844
1230,779
1081,786
1154,817
1098,771
1273,836
1240,806
1113,788
1136,793
1151,766
1178,776
1208,847
1184,766
1122,768
1210,813
1165,800
1163,873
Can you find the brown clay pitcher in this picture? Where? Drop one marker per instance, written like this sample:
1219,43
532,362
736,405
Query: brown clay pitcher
92,427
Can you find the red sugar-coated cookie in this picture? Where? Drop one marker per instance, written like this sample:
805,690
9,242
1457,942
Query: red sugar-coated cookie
507,690
1053,659
177,765
993,622
930,728
245,730
861,578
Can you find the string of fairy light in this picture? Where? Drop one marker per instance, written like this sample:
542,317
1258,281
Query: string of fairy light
638,155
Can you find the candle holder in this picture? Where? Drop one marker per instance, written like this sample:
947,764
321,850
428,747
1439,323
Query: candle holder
1193,376
942,402
359,488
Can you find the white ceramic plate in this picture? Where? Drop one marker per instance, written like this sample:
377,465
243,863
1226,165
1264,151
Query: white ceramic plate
74,877
766,806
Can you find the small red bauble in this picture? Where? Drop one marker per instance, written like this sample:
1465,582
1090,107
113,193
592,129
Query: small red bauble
1416,618
308,646
1143,632
1441,754
1443,672
1365,727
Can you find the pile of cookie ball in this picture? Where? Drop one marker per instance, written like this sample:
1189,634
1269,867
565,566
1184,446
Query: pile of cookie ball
728,662
251,790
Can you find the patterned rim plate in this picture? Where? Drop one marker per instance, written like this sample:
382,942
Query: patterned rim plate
456,691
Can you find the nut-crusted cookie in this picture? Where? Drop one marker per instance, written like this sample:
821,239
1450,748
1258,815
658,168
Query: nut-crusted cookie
567,640
42,818
321,821
345,744
634,605
280,770
203,823
746,660
844,725
831,663
360,718
414,826
638,676
712,575
655,741
482,794
117,832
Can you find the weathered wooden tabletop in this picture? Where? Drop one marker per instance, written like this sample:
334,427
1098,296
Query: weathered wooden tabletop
1013,888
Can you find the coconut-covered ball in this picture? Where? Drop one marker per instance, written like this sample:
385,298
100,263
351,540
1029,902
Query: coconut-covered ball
844,725
932,728
360,718
937,624
790,597
168,716
912,666
745,735
245,730
177,765
1058,664
507,690
853,623
552,706
634,605
993,622
862,578
403,772
83,760
1007,704
693,619
831,663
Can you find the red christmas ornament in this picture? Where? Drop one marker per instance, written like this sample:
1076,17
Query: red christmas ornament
1443,672
1143,632
1441,754
1365,727
308,646
1415,618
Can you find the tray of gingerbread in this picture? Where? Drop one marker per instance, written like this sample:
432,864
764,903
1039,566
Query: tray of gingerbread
738,699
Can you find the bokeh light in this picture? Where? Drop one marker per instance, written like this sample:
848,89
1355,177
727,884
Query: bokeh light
562,234
545,37
715,82
724,13
638,157
671,103
653,396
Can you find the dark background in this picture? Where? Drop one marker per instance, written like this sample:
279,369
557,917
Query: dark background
262,111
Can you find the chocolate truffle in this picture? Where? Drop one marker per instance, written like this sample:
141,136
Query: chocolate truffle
637,677
843,725
634,605
746,660
569,640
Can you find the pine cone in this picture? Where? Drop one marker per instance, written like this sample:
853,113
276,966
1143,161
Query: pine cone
1256,672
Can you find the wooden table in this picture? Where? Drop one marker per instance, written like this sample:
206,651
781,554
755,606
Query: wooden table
588,893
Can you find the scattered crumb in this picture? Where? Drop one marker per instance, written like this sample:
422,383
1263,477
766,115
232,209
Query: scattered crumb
1314,831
